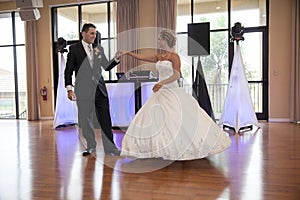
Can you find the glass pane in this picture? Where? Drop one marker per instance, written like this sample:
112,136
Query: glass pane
113,16
113,49
67,23
22,83
186,61
183,15
20,30
215,69
251,49
250,13
104,44
6,36
7,86
256,92
214,12
96,14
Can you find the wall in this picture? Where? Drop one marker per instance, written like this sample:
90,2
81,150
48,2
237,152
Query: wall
279,51
280,60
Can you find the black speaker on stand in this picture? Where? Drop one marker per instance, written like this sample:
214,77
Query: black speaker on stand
199,45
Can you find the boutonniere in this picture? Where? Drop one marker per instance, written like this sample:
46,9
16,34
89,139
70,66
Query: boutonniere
97,52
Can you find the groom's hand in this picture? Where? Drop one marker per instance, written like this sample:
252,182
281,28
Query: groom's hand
71,95
118,55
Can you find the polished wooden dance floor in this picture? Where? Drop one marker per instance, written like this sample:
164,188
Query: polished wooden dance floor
40,163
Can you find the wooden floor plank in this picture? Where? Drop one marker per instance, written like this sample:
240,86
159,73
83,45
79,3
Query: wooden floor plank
40,163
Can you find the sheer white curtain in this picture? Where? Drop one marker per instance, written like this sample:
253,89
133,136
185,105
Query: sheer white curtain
32,70
295,76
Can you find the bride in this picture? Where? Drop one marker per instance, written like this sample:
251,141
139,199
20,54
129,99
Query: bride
171,124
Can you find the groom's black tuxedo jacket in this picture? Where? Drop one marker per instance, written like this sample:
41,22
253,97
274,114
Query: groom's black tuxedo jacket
87,77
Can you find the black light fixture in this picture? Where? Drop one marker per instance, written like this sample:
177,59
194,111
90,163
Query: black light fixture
237,32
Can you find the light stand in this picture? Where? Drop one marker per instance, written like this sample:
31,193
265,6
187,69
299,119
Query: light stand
66,113
238,112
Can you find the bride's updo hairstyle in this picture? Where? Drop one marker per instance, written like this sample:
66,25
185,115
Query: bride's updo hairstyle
169,37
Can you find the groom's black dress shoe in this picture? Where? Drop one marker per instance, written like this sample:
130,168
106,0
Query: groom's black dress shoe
88,152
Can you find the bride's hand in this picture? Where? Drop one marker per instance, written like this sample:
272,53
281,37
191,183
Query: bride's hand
156,87
122,52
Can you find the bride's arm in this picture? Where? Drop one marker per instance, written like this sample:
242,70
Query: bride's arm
176,75
149,58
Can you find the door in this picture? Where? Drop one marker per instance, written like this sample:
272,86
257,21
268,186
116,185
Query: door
255,58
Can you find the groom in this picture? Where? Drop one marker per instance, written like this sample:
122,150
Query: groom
90,90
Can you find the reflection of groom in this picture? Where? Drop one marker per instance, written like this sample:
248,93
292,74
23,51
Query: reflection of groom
87,62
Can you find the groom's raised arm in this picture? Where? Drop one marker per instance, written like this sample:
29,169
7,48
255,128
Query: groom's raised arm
107,65
111,64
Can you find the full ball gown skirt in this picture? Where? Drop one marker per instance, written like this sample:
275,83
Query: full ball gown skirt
171,125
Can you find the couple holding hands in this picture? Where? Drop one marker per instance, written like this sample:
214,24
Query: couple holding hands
171,125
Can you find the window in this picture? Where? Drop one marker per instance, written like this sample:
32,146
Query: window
68,21
222,15
214,12
13,92
250,13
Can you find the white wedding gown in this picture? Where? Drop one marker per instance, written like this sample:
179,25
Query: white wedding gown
171,125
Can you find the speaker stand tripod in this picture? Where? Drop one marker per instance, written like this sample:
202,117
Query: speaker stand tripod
238,112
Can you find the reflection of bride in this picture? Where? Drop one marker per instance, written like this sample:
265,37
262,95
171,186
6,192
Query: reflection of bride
171,124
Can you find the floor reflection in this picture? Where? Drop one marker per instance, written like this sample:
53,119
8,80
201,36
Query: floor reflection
66,150
15,167
171,182
108,172
38,162
244,169
76,173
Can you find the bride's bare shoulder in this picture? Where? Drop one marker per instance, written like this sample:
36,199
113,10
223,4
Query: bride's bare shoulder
174,56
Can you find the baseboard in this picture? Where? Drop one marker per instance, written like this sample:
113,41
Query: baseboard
279,120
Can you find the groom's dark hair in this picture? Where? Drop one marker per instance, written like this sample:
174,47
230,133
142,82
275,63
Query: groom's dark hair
87,26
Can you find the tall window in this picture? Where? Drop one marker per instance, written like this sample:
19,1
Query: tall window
13,96
67,23
222,15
